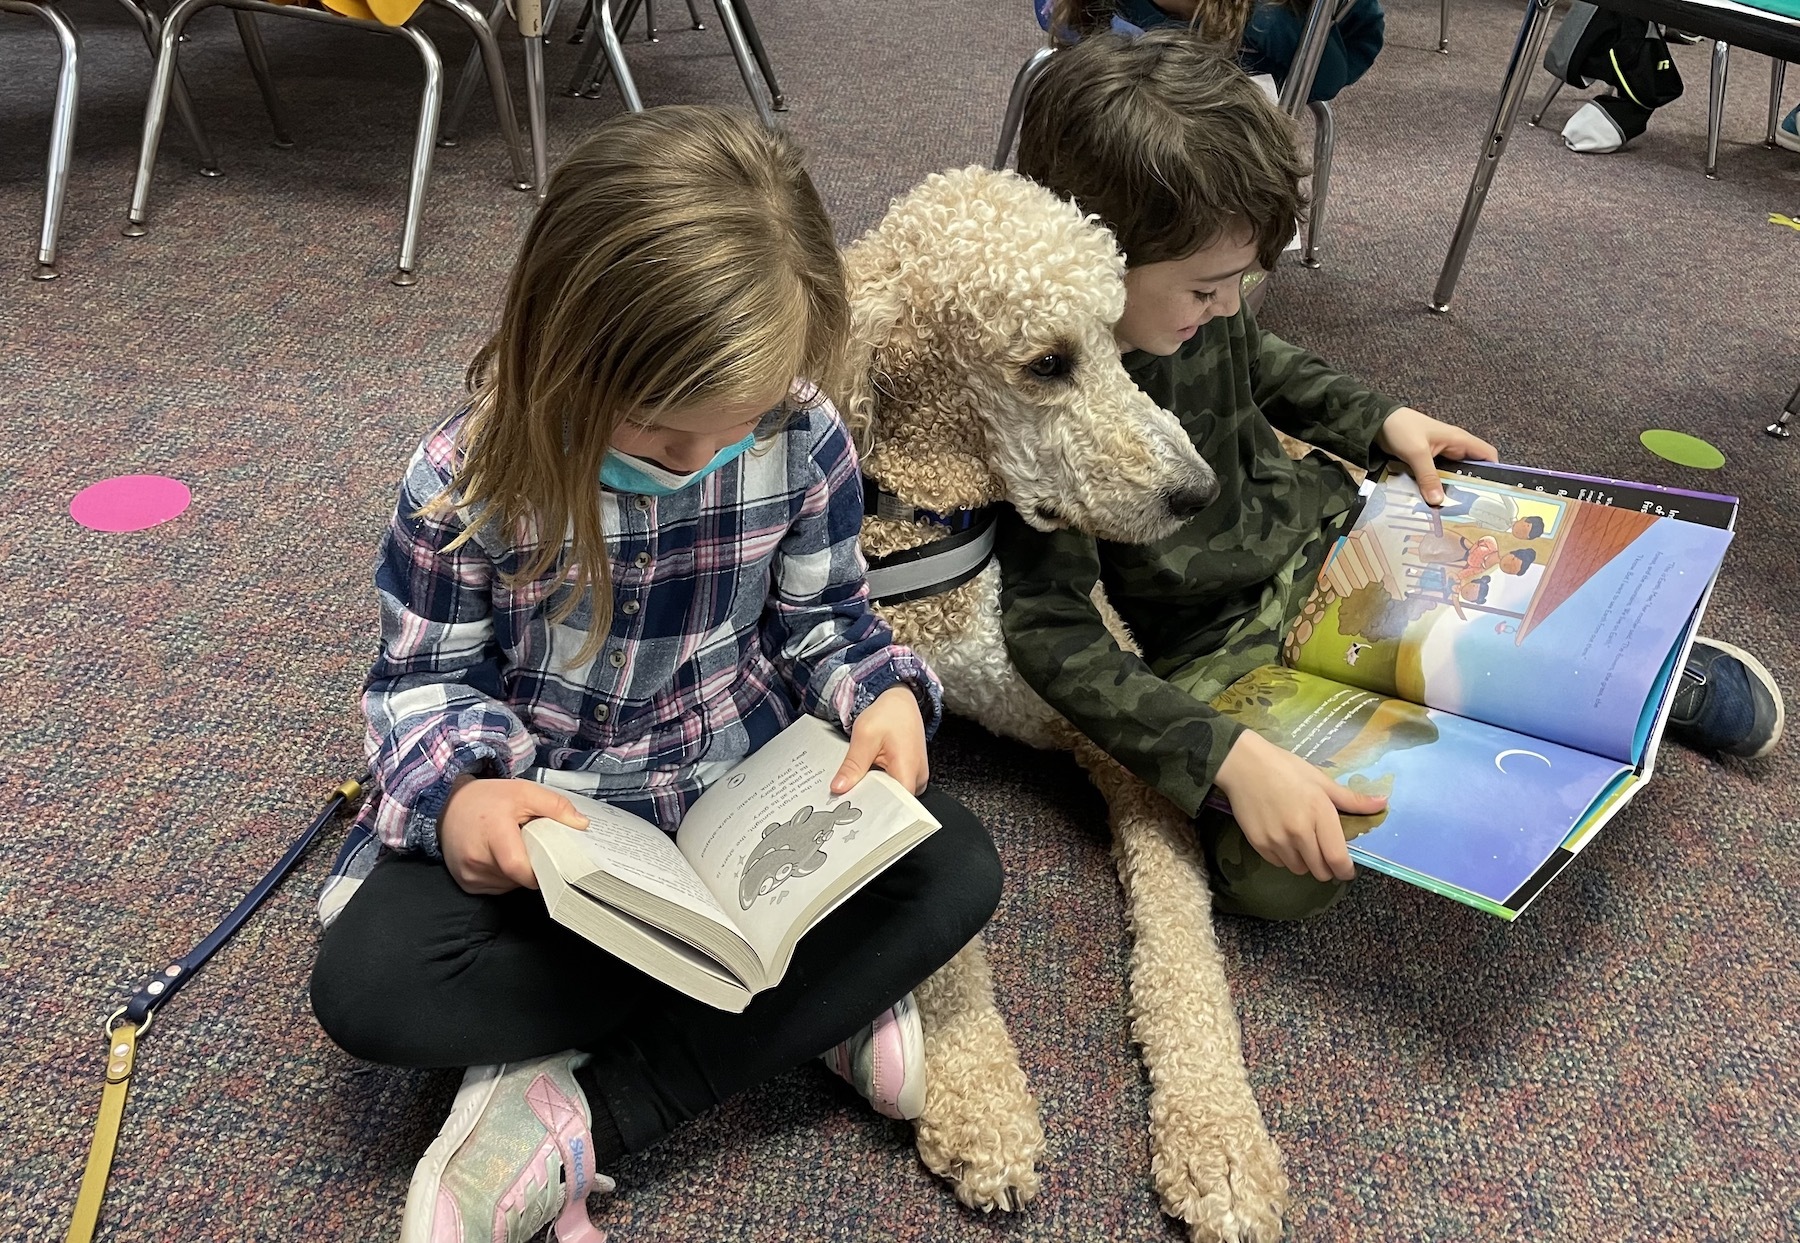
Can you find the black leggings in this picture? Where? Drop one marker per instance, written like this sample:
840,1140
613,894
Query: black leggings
416,972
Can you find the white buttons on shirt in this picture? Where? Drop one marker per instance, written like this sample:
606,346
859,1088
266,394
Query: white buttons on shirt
642,502
641,560
599,712
629,608
615,658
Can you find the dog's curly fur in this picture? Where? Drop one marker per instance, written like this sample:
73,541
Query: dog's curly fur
983,308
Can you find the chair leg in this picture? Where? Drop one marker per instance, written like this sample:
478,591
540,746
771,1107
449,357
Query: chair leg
777,100
581,23
1527,47
694,16
156,110
591,70
650,35
535,113
62,127
746,61
1324,143
615,57
1777,75
184,106
1779,428
1556,85
496,75
1023,81
451,126
258,56
430,106
1715,106
1444,26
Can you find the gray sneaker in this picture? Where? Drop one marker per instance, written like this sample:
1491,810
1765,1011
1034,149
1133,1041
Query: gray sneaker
514,1156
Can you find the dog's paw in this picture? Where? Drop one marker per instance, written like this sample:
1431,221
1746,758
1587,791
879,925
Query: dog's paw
979,1130
1227,1185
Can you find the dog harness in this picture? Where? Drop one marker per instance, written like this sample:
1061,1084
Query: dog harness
934,568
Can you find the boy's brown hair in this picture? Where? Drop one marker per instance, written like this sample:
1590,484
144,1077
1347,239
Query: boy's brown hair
1167,141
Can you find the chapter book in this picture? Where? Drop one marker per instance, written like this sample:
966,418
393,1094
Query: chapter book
1500,667
767,852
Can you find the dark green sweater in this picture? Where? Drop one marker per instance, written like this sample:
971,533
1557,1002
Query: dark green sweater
1181,596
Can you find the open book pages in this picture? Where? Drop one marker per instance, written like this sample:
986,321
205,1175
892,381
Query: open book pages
1477,606
759,859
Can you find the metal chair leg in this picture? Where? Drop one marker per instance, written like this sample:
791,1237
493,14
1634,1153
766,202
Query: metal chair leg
615,57
184,106
496,74
1715,106
1556,85
1296,88
1444,26
1526,49
742,8
1324,143
258,57
431,104
535,111
1779,428
156,110
1023,81
650,35
62,127
451,127
591,70
746,61
1777,76
694,16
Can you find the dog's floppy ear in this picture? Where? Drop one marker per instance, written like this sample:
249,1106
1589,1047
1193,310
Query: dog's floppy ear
877,315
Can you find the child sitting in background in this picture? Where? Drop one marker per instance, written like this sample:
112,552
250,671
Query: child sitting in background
1267,34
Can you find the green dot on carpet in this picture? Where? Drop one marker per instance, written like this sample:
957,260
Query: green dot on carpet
1682,449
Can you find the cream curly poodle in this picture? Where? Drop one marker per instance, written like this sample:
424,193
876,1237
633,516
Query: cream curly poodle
983,306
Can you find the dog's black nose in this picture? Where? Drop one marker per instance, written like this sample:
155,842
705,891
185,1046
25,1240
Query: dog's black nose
1184,503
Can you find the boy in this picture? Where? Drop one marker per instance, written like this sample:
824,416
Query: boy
1197,174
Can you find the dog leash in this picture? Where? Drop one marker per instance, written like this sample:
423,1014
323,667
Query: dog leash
131,1021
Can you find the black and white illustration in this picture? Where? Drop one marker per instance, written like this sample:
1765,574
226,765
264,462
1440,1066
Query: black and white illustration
794,847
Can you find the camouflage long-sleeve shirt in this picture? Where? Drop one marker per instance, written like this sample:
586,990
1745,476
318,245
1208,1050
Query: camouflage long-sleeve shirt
1183,597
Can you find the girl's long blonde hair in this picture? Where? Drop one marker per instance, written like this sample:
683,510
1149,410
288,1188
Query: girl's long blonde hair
681,257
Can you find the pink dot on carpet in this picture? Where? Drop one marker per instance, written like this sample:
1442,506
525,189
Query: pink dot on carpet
129,502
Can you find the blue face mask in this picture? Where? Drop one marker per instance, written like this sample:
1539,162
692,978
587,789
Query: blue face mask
624,473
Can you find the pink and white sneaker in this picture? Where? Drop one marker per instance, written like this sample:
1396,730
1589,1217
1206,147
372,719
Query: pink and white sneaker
514,1156
885,1061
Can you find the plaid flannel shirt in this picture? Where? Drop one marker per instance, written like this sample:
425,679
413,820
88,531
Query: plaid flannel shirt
738,603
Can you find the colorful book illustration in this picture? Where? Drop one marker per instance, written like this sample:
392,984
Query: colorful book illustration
1500,667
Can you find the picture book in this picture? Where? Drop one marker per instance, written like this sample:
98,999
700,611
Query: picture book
766,853
1500,667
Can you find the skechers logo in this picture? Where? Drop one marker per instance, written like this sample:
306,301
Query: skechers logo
578,1159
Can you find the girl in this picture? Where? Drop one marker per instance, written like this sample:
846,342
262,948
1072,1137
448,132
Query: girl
631,561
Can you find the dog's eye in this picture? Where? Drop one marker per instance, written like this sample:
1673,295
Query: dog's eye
1050,366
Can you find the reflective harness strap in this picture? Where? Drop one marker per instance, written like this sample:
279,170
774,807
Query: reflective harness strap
132,1020
934,568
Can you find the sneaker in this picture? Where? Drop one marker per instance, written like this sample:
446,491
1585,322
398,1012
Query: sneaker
1726,702
513,1157
1787,134
885,1061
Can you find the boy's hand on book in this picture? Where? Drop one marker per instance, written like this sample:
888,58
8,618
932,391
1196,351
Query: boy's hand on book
479,831
889,735
1417,439
1289,810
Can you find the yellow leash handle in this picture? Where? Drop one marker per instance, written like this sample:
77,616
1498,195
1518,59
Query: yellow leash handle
121,1056
133,1019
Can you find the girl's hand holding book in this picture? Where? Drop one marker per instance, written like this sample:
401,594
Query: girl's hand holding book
479,831
1288,809
889,735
